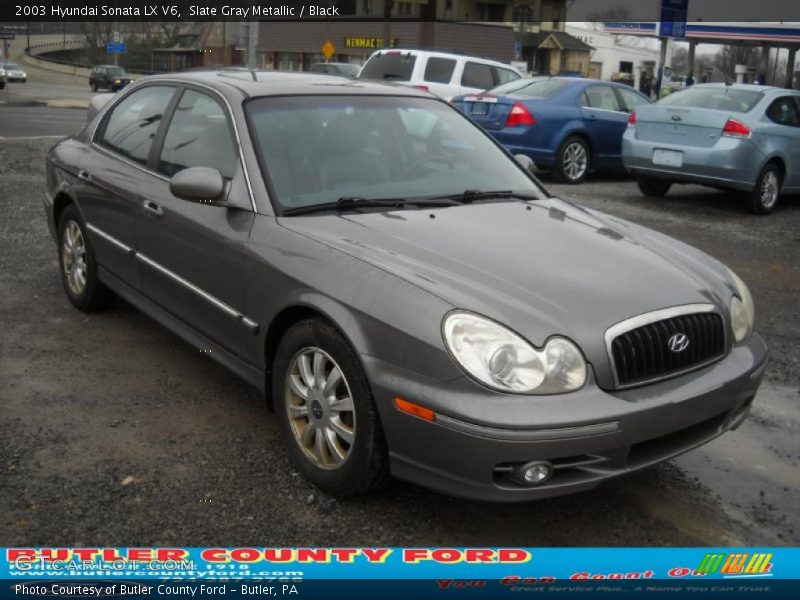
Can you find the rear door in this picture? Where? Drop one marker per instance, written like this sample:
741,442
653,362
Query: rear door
782,127
476,77
605,119
111,173
194,255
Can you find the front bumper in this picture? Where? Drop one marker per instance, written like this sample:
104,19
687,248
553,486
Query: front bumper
480,437
729,163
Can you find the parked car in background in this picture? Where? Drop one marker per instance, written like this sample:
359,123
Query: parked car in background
439,73
15,73
739,137
407,296
332,68
108,77
565,124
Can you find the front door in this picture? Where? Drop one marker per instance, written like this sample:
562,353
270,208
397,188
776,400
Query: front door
193,255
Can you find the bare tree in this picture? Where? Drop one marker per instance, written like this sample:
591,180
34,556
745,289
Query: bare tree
730,56
610,13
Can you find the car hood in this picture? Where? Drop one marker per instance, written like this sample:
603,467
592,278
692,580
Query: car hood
541,268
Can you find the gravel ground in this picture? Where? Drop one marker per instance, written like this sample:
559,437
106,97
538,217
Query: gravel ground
114,432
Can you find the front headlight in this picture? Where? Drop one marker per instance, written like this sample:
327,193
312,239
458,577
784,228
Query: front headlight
500,359
743,312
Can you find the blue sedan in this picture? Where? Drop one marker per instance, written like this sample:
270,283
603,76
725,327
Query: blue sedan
565,124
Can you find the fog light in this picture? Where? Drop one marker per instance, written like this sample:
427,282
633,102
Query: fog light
537,472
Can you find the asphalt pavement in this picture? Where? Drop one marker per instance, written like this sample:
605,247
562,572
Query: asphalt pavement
115,432
36,121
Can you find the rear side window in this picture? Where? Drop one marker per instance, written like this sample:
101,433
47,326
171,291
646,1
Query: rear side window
631,99
439,70
477,75
132,125
784,111
719,98
198,136
390,66
601,96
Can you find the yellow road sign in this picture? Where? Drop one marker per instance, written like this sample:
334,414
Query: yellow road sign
328,50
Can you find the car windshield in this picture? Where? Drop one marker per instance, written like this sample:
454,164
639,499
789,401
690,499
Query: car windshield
116,72
318,149
13,66
392,66
719,98
531,88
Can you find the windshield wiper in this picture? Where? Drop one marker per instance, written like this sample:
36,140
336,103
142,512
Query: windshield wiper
468,196
355,202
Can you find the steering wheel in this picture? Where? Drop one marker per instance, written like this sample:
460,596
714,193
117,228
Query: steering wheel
421,162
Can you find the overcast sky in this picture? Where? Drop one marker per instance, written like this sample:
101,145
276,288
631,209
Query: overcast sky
699,10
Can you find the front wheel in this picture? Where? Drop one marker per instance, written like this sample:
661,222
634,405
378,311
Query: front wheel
652,186
572,162
78,264
764,197
326,411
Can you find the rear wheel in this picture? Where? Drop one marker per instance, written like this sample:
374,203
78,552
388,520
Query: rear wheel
652,186
78,264
94,86
327,415
572,162
764,197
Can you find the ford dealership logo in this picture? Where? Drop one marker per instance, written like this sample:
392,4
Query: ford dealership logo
678,342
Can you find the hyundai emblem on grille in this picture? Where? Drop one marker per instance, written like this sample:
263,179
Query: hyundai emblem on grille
678,342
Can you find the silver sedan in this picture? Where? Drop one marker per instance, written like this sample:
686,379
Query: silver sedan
740,137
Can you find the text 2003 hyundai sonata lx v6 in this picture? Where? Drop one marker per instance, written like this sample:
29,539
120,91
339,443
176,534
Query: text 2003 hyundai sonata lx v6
405,293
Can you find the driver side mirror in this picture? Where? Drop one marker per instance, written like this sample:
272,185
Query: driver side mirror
197,184
526,162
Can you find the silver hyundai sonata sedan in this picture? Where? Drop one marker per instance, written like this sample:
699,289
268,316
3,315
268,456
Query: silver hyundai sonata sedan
407,296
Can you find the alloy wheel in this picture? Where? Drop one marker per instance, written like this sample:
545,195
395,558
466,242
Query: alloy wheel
319,406
575,160
769,189
73,255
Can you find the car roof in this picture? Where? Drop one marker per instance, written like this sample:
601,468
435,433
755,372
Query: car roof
286,83
438,54
744,86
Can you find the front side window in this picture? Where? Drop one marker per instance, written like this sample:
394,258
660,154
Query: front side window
601,96
477,75
439,70
784,112
317,149
198,136
132,125
506,75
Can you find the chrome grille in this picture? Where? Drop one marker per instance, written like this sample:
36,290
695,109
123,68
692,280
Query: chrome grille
667,347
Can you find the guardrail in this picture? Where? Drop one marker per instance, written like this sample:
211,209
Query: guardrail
34,56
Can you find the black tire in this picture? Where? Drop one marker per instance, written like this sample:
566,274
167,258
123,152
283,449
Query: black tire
573,160
652,186
93,86
93,294
764,197
365,467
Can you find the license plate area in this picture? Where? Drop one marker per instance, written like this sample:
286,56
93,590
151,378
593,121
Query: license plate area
479,108
667,158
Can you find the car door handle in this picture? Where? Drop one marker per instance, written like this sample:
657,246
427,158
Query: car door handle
152,208
85,175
